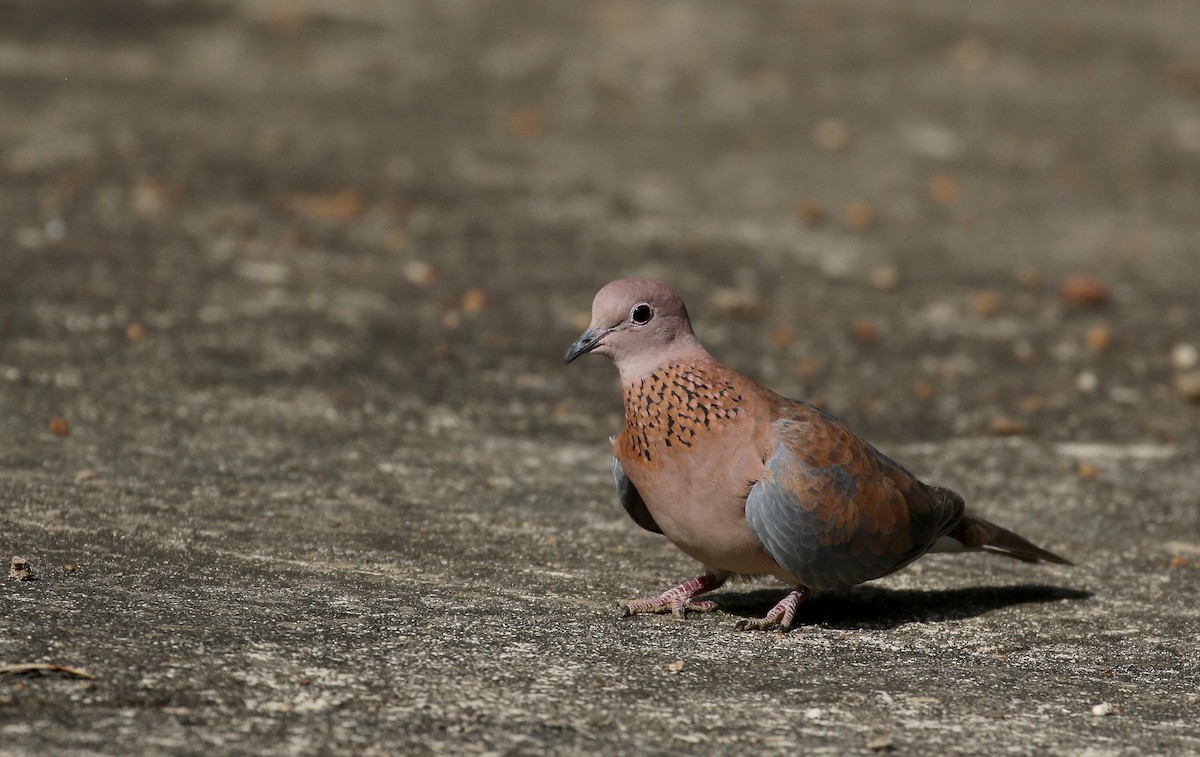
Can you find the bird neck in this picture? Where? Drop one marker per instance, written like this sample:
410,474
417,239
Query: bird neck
635,365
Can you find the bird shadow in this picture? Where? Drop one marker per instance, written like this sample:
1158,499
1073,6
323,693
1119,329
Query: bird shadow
882,608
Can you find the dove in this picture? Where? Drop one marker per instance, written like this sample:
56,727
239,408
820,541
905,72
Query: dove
750,483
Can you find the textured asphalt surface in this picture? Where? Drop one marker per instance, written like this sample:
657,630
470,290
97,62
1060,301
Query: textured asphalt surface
285,439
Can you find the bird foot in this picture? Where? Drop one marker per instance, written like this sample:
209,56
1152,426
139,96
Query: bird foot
780,615
677,600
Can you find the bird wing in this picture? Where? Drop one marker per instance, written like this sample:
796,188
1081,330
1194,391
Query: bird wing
631,500
834,511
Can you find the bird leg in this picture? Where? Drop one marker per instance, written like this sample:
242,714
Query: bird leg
679,599
780,615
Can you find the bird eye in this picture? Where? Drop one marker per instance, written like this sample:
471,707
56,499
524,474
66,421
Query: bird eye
641,314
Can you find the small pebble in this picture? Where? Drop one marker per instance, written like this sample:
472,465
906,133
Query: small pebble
881,744
1087,381
19,569
1184,356
676,666
1087,472
60,427
1104,708
933,141
419,272
1188,385
1099,338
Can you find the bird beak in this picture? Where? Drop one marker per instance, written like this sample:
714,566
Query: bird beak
587,341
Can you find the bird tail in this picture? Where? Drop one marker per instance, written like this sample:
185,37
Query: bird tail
973,532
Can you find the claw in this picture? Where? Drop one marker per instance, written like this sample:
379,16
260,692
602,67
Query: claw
677,600
780,615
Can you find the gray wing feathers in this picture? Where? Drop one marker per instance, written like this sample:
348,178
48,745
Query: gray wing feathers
791,535
631,500
831,527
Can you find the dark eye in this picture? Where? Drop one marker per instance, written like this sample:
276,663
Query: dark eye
641,314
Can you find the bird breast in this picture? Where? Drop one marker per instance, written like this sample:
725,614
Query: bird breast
673,408
687,448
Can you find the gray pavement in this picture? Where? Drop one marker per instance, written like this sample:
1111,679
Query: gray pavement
283,291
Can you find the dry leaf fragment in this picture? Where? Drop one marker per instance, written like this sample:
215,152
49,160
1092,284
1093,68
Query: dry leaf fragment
1084,291
43,667
1003,425
336,205
859,214
810,211
945,188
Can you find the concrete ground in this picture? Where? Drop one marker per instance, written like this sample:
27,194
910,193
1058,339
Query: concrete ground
285,440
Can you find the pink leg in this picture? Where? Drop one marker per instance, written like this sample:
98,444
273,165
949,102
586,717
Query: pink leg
679,599
780,615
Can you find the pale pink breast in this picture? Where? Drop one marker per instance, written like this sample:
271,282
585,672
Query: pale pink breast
688,446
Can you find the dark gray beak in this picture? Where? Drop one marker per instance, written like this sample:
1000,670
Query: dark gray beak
587,341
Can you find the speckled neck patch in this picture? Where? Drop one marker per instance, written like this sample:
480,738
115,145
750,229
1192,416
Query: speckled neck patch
673,406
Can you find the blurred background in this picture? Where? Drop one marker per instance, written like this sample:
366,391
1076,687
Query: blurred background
933,218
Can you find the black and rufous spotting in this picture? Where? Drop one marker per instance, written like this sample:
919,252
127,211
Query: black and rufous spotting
672,405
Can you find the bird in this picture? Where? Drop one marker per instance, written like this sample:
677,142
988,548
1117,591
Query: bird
750,483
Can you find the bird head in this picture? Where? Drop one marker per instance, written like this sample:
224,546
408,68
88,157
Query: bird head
639,324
